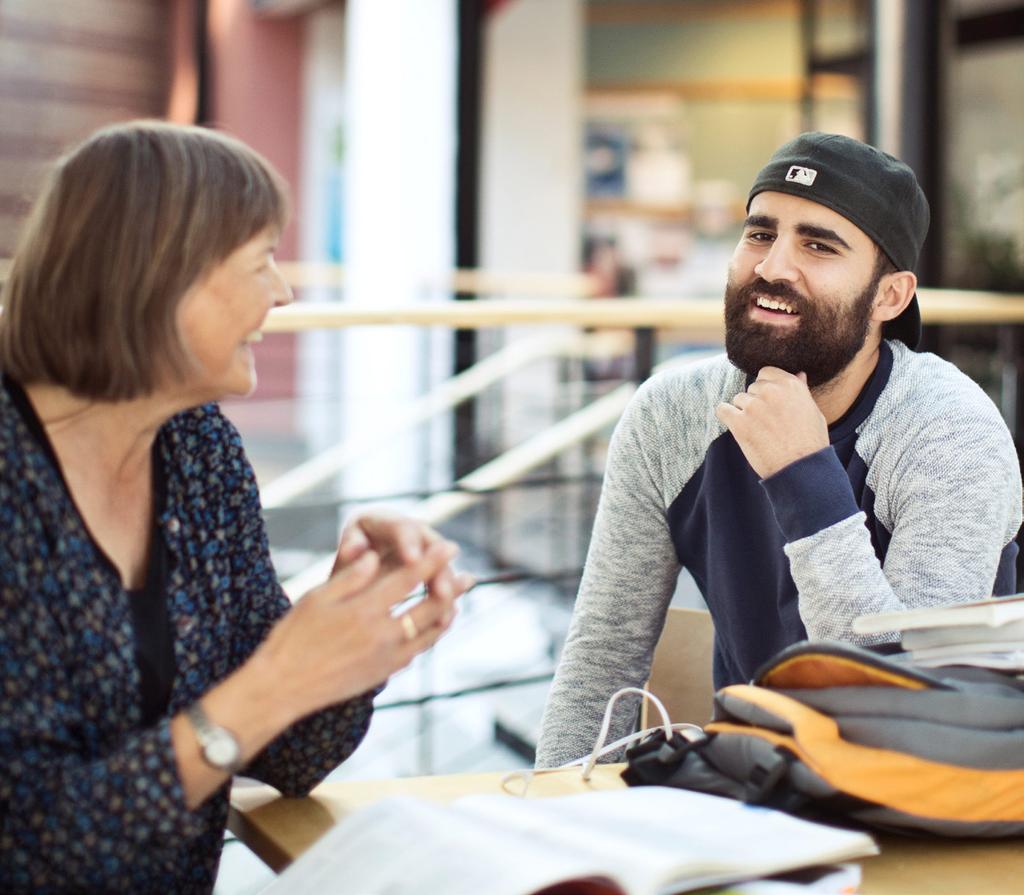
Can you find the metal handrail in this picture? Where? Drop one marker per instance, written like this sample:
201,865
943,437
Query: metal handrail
464,386
507,467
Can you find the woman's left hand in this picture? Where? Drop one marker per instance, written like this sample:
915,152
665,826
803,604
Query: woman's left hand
398,541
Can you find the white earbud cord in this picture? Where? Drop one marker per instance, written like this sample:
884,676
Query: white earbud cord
587,762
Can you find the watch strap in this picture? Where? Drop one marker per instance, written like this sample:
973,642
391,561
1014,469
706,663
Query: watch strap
210,736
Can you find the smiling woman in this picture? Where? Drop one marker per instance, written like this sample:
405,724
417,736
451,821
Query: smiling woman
221,316
146,648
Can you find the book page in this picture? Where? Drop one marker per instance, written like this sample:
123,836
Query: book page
990,611
975,648
639,841
928,638
406,846
1000,660
843,879
654,836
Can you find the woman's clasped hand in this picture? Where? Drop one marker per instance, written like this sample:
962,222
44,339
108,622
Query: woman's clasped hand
347,636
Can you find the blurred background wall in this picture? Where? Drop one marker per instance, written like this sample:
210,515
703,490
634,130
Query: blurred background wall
625,129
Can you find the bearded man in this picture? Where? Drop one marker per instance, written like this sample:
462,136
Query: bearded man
821,470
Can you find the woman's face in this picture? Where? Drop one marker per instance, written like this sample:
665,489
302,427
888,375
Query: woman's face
220,317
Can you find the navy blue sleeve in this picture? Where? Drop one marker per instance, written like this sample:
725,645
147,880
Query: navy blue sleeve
810,495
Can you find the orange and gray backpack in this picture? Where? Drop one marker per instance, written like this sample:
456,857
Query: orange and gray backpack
839,732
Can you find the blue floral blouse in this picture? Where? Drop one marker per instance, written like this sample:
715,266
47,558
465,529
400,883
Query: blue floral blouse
90,799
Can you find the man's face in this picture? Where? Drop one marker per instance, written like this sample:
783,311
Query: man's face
801,290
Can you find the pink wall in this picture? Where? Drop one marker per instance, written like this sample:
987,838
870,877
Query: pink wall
256,89
256,95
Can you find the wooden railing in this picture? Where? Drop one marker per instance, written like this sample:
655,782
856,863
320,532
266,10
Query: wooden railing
938,307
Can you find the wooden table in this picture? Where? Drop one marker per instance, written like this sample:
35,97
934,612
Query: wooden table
279,830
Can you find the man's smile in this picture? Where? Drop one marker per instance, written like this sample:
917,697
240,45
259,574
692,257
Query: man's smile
768,308
774,305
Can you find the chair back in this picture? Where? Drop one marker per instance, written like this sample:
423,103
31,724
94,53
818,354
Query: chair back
681,669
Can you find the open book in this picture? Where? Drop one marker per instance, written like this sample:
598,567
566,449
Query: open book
641,841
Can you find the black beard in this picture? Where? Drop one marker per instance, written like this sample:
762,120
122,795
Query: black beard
827,337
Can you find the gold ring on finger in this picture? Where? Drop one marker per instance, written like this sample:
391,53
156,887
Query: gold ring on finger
409,626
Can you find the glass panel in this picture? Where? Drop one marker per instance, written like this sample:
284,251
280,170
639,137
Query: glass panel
985,184
837,105
841,28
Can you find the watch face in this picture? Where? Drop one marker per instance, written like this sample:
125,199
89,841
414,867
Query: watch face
222,751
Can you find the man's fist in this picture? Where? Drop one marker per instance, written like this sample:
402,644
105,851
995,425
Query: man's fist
775,421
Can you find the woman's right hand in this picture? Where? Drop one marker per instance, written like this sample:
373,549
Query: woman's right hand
342,639
338,641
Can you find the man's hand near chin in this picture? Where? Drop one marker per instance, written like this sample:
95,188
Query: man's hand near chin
775,421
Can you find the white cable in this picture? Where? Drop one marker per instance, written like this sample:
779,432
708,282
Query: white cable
606,723
692,732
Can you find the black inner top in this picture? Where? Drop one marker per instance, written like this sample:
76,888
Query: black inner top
154,646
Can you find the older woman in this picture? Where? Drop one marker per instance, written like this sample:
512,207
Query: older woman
147,650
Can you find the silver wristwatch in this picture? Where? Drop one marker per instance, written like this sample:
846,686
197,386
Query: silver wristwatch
219,747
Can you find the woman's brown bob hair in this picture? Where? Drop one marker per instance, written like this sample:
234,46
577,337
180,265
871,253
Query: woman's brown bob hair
127,222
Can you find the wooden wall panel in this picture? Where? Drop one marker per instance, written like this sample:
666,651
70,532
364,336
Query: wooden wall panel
83,70
18,171
130,19
66,69
51,126
9,227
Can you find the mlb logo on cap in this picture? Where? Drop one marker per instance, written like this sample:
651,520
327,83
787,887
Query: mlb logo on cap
800,175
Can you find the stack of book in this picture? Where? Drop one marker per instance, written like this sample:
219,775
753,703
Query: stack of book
986,633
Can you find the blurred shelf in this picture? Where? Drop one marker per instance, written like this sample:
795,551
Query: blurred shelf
310,274
653,12
627,207
822,85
